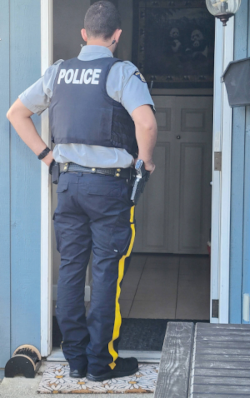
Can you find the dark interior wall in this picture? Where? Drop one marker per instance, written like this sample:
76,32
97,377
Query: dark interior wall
68,21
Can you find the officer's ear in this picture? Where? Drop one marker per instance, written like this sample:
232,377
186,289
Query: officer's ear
117,35
84,35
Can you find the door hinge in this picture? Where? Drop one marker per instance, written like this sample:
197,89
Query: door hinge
217,161
215,308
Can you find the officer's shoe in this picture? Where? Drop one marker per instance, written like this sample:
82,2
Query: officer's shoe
124,367
78,374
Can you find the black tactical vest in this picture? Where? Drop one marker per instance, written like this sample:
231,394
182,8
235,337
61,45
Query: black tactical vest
81,111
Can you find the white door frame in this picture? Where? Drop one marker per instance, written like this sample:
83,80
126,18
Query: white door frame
221,185
46,251
221,180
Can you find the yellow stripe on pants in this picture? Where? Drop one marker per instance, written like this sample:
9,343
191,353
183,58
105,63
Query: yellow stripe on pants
118,318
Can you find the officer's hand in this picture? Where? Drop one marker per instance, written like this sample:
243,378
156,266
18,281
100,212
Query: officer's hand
48,159
149,166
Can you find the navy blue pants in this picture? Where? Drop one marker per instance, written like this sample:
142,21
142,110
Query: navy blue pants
94,213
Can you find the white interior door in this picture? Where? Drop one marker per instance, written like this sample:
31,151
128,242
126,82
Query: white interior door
173,215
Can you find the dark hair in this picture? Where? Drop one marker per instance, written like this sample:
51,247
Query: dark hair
102,19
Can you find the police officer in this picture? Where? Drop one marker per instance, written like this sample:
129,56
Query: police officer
100,110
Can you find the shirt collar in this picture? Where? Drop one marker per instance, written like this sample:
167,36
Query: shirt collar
91,52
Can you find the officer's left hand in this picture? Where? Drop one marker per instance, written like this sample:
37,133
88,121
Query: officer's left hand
48,159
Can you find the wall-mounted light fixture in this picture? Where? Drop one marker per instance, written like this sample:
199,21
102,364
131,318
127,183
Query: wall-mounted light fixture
223,9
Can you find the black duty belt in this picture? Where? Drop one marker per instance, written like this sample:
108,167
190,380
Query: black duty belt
73,167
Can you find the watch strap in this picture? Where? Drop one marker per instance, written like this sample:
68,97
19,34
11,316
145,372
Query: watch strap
44,153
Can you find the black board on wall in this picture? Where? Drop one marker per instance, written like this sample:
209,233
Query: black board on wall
115,2
174,43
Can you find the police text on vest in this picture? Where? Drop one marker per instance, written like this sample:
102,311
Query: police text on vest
71,76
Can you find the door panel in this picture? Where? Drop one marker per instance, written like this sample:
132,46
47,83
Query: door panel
194,125
156,225
190,222
153,224
173,215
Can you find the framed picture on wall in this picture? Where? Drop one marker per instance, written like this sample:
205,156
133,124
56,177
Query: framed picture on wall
174,42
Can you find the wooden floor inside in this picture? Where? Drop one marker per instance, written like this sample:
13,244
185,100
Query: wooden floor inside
205,360
166,287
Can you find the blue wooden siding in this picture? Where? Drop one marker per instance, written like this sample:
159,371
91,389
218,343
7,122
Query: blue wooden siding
20,191
4,187
240,205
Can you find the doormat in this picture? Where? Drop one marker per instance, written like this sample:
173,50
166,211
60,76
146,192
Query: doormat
136,334
142,334
56,380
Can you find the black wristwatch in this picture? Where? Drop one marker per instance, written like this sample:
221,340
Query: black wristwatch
44,153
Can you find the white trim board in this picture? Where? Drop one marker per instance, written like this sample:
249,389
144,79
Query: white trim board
216,175
142,356
46,263
221,180
226,183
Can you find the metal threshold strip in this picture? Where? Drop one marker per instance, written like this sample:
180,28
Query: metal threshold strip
142,356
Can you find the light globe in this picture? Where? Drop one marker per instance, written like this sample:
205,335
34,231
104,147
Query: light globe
223,9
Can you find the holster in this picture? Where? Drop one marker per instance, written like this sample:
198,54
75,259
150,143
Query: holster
54,170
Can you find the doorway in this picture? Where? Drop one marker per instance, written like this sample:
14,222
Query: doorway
169,274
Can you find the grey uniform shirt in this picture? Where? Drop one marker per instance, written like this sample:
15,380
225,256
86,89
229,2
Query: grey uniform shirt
122,86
